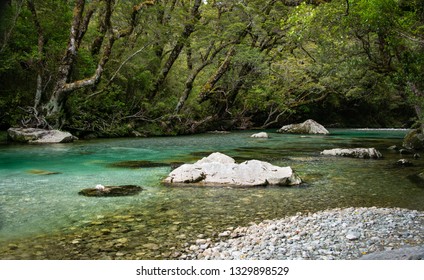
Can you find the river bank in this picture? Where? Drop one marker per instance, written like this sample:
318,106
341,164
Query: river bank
337,234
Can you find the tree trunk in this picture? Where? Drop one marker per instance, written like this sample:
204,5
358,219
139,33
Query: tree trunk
207,59
419,95
189,28
53,110
207,89
40,59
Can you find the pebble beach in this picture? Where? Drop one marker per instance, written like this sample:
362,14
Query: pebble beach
336,234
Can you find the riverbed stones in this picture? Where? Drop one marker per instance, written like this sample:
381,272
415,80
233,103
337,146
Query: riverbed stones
307,127
41,136
365,153
344,234
220,169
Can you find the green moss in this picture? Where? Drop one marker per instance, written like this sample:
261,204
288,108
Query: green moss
112,191
137,164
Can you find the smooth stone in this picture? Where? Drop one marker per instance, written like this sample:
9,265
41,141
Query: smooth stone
260,135
37,135
42,172
110,191
122,240
355,153
13,246
201,241
353,235
220,169
151,246
405,253
307,127
403,162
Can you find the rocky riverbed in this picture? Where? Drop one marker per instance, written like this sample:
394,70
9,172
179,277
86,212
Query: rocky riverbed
345,234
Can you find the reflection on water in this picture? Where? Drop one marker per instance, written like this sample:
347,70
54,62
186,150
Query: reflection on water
45,206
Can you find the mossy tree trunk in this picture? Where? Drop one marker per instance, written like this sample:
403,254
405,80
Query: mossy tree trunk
53,109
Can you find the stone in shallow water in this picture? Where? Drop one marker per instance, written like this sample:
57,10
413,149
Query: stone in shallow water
355,153
112,191
36,135
42,172
307,127
220,169
137,164
260,135
403,163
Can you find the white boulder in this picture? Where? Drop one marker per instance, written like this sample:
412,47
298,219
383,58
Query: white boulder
37,135
356,153
307,127
220,169
260,135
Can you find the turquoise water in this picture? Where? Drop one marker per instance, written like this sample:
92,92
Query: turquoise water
36,204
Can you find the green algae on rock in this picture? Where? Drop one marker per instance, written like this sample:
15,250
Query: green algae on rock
112,191
137,164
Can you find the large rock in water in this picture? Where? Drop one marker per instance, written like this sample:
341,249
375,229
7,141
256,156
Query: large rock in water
220,169
355,153
37,135
307,127
414,140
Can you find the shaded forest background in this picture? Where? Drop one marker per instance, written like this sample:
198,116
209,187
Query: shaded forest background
108,68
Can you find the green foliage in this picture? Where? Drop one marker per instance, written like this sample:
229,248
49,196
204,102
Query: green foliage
101,114
322,60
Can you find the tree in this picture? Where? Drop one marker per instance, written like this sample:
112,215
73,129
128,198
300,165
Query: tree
50,112
392,37
355,51
188,66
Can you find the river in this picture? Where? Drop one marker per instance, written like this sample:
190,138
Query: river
43,217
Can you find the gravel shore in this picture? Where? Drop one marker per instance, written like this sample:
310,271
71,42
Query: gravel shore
345,234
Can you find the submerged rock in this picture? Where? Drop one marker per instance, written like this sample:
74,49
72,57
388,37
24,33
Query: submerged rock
111,191
307,127
137,164
37,135
220,169
406,152
260,135
403,163
42,172
417,179
355,153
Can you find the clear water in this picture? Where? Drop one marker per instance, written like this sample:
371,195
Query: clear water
49,207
